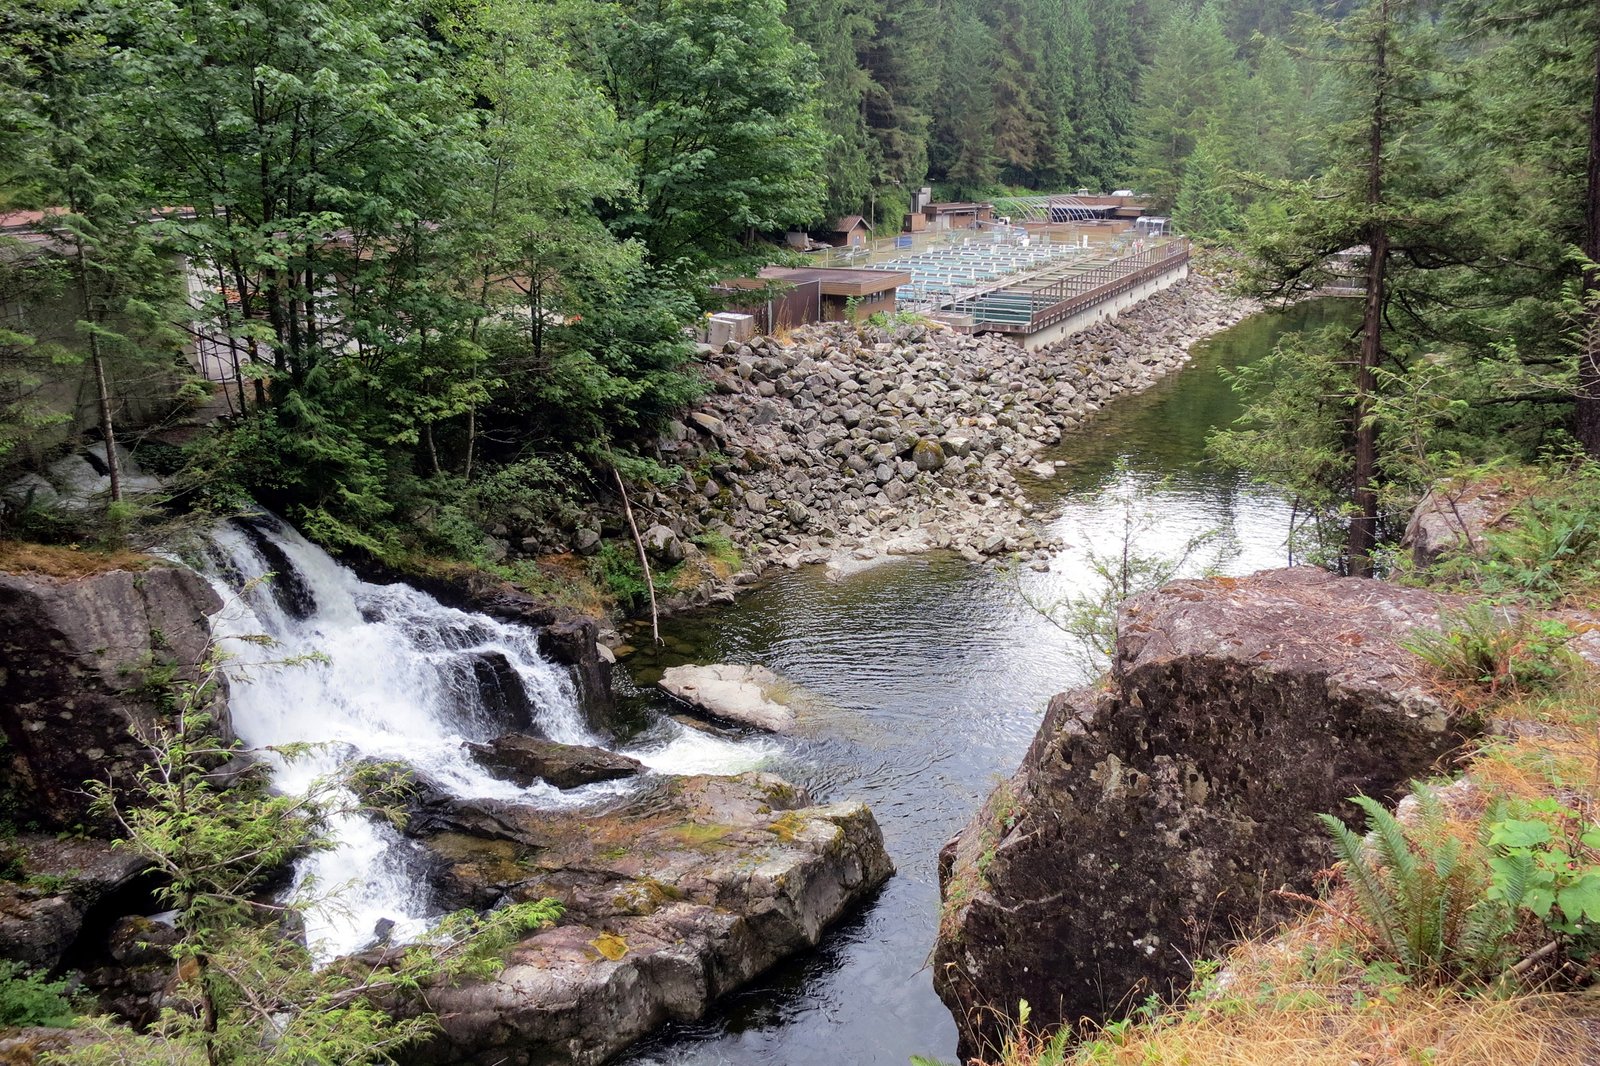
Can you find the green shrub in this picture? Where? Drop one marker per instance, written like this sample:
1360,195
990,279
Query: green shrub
532,493
28,999
1497,649
615,568
720,550
1545,863
1549,548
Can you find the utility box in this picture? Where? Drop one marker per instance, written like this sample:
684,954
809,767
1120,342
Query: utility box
729,328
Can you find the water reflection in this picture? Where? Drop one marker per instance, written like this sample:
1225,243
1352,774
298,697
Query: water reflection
935,675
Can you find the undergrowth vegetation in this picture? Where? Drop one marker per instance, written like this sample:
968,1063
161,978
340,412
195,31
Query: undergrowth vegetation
1542,548
1465,929
30,998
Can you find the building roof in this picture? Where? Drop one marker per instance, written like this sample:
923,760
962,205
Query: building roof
846,223
841,281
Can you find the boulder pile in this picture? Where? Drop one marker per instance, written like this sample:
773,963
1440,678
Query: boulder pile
839,441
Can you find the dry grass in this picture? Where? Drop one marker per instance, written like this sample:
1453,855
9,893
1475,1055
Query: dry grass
1443,1028
1546,746
1306,998
21,557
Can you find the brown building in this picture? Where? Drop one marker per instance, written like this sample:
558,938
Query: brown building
846,293
851,231
798,296
958,215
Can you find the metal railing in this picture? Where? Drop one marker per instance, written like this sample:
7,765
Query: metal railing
1027,312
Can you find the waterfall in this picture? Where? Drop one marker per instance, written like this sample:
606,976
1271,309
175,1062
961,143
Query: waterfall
387,672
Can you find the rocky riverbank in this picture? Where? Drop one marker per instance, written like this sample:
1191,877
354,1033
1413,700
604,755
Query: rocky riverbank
843,444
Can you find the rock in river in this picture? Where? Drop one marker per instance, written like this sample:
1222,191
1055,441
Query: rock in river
670,903
524,760
747,695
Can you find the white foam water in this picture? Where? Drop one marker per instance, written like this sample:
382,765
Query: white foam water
365,671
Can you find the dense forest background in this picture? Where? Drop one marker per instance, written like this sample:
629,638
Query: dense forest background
1054,95
455,244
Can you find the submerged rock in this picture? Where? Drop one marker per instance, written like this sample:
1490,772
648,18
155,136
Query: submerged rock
746,695
524,760
1150,822
671,902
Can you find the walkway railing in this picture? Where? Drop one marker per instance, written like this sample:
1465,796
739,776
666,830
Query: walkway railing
1027,311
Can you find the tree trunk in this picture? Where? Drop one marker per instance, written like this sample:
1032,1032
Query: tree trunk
1589,355
102,386
1363,490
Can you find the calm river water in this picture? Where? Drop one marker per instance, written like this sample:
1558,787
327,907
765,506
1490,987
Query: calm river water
935,675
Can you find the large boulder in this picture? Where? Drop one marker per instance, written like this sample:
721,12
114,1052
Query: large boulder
1455,518
671,902
85,662
1154,819
572,641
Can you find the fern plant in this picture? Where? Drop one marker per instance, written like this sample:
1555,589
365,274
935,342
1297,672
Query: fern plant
1491,647
1422,893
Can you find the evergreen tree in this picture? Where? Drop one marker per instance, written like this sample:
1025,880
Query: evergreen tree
1189,88
837,31
1206,206
1530,123
1021,132
73,157
1378,201
963,150
1110,102
902,58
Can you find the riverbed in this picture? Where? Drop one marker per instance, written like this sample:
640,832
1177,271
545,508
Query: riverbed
930,676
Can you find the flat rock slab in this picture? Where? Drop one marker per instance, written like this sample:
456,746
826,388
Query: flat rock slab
748,695
684,895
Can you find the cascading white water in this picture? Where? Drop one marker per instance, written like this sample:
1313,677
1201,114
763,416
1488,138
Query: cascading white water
387,672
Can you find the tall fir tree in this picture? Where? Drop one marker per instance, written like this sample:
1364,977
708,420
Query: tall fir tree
1189,88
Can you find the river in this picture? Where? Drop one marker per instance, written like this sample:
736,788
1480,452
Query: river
934,674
